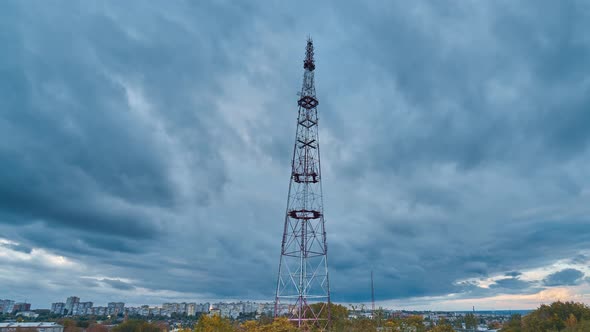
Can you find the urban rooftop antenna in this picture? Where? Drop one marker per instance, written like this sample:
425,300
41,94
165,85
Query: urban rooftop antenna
303,291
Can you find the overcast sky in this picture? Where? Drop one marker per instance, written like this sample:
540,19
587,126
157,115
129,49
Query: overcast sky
145,149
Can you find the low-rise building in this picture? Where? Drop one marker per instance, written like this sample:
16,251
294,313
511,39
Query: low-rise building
31,327
28,314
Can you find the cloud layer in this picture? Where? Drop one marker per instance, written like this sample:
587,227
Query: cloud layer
145,149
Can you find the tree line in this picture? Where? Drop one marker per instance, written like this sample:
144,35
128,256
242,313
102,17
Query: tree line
556,317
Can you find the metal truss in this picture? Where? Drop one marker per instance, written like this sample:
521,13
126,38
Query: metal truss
303,291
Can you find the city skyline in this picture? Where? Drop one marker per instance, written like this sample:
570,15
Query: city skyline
145,150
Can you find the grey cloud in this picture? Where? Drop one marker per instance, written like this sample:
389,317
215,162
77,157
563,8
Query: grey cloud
566,277
511,283
581,259
118,284
454,142
17,247
513,274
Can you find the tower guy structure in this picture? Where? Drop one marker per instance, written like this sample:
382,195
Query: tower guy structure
303,289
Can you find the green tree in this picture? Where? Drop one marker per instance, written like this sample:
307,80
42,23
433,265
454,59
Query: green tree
514,324
338,314
558,316
470,321
458,322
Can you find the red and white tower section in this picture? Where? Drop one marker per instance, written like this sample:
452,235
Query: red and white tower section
303,291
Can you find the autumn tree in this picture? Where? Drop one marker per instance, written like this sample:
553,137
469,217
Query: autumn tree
137,326
359,325
558,316
249,326
414,323
278,325
495,325
97,328
554,317
391,325
442,328
69,325
213,324
571,322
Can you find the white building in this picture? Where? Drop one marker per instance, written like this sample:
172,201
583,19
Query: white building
35,326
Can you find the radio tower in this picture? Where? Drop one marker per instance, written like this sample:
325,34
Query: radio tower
303,291
372,295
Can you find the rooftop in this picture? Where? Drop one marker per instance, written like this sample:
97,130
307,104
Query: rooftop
30,324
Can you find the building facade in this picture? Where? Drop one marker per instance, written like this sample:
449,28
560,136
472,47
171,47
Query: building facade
58,308
31,327
6,306
70,303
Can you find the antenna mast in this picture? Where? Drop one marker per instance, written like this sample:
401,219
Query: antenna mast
303,291
372,295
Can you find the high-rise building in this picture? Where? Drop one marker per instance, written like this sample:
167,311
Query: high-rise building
82,308
70,302
58,308
21,306
204,307
116,308
191,309
6,306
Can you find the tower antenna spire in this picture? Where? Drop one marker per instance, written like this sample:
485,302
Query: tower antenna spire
303,289
372,295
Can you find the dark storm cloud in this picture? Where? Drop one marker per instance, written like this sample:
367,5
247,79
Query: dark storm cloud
566,277
76,156
152,143
511,283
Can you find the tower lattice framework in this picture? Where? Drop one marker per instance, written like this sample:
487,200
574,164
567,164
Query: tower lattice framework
303,291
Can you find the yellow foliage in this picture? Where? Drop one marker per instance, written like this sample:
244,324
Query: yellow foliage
249,326
213,324
571,321
278,325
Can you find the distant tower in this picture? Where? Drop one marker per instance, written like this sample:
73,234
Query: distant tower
372,295
303,291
